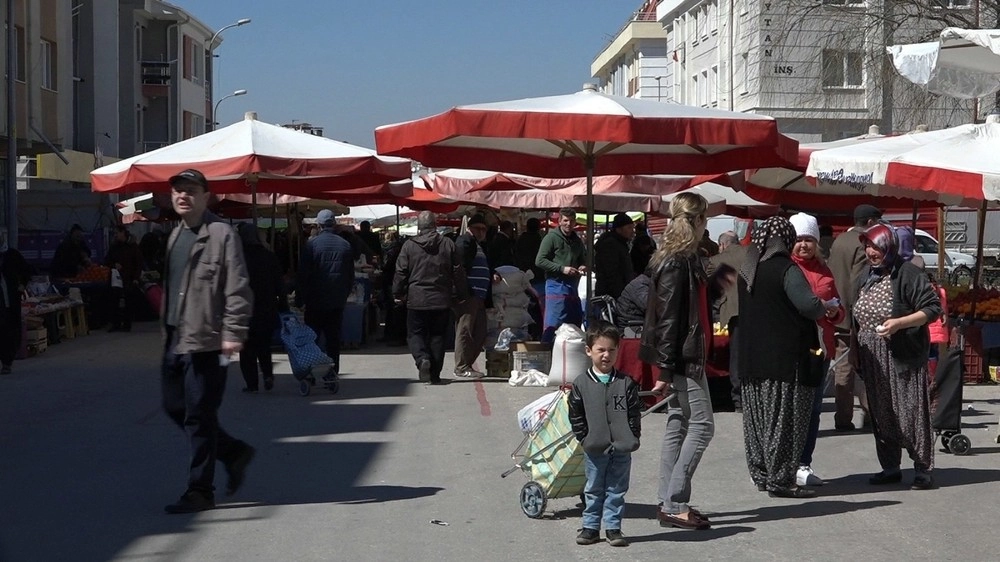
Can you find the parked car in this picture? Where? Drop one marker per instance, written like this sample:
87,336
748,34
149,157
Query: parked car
956,264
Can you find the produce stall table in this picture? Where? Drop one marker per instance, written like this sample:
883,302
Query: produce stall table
62,317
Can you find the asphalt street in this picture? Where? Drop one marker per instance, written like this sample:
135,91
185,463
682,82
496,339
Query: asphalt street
88,460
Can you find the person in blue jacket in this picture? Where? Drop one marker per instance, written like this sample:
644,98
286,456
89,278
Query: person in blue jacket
325,280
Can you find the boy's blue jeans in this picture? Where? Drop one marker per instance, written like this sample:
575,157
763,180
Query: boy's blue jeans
607,482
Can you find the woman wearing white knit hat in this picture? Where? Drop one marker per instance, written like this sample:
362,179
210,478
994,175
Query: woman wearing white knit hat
805,253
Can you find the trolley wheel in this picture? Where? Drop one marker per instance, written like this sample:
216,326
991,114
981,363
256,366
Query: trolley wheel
304,387
533,500
960,444
945,441
334,386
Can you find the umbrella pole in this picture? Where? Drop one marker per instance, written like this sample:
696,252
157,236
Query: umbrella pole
253,200
941,252
977,274
590,232
913,222
397,220
274,213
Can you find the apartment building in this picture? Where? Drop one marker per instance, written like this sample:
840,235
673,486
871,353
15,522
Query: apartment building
144,74
818,66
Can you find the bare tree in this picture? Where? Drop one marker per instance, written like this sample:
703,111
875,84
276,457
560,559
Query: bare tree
844,41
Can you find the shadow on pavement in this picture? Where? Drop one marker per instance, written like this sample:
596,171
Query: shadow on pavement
810,508
684,535
857,484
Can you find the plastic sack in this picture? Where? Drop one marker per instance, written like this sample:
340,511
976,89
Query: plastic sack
531,415
569,355
512,280
530,377
300,343
509,336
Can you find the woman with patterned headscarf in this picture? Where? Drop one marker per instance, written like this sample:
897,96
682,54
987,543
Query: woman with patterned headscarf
891,347
777,346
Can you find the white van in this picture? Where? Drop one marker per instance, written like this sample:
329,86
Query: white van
956,263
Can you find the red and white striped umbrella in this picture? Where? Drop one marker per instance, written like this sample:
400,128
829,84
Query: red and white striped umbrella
955,166
255,156
589,133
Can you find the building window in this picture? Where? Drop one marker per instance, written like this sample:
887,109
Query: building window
691,27
20,54
713,18
745,86
842,69
846,3
694,91
713,87
194,60
703,95
47,65
194,124
951,4
703,22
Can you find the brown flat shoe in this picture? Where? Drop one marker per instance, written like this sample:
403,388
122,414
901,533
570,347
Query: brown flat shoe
699,514
692,522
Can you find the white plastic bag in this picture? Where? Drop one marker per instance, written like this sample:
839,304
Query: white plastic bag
529,416
569,355
116,279
530,377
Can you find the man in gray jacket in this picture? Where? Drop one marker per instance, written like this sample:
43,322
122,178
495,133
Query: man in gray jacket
847,262
206,317
429,276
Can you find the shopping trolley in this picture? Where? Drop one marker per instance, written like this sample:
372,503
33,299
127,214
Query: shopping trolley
552,458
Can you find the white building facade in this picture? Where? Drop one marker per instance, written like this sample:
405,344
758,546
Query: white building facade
815,65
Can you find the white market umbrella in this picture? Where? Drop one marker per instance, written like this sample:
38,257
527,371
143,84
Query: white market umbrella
962,63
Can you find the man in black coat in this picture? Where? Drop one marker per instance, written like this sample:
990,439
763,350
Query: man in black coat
124,256
325,280
501,250
612,261
71,256
266,282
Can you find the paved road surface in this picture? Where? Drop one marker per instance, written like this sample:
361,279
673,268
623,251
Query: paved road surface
88,461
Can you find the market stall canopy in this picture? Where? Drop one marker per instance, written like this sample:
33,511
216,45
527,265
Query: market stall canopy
157,207
563,136
954,166
252,155
789,187
464,185
962,63
589,133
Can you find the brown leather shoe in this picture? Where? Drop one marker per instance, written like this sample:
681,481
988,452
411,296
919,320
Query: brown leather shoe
699,514
692,522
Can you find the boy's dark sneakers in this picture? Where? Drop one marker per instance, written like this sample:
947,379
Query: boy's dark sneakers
589,536
191,502
616,537
425,371
237,469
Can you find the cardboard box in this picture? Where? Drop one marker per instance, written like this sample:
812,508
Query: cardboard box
32,336
497,364
531,355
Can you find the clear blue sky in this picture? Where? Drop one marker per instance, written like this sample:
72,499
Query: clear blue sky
352,65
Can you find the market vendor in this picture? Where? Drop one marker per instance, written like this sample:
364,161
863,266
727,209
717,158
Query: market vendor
14,274
72,255
561,256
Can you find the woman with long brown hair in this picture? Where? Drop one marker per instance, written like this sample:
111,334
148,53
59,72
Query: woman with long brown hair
676,338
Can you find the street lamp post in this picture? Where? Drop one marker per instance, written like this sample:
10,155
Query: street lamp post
215,110
209,63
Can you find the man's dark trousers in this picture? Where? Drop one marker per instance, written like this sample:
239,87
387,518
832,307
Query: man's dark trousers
193,385
426,332
327,322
